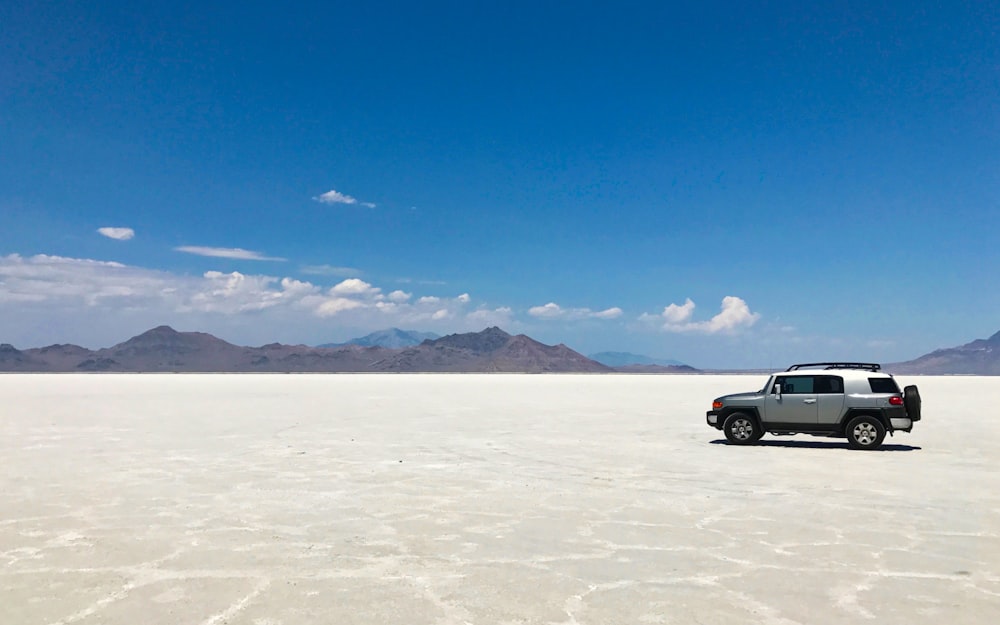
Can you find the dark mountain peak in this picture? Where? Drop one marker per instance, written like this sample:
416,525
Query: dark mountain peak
165,335
994,339
159,335
494,334
164,348
488,340
7,348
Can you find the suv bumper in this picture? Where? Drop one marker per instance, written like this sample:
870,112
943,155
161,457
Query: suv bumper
899,421
712,418
901,425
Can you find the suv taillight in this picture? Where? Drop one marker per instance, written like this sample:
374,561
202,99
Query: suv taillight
716,405
896,401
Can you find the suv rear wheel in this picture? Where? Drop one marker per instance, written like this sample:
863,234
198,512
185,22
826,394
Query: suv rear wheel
865,432
741,429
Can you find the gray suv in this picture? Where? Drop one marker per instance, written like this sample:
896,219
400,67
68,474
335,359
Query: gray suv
844,399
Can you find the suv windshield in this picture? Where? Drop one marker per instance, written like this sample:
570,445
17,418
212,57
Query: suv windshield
883,385
767,385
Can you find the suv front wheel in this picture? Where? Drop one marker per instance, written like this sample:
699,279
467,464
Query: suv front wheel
865,432
741,429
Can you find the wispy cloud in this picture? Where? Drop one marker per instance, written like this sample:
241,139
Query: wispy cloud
734,315
330,270
119,234
336,197
225,252
555,311
609,313
421,282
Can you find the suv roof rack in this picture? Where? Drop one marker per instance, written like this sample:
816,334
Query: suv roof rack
868,366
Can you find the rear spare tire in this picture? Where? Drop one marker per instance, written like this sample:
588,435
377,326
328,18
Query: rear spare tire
911,400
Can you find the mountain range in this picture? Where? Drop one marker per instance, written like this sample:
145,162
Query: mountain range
164,349
491,350
979,357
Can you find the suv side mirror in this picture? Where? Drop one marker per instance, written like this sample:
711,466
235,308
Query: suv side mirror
777,390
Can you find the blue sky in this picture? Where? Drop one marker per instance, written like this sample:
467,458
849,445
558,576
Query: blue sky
818,182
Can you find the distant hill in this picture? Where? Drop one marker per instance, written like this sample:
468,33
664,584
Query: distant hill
393,338
656,369
491,350
165,349
624,359
980,357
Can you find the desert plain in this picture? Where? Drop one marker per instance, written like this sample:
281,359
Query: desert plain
452,499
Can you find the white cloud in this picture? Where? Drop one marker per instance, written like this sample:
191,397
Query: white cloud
354,286
463,298
224,252
548,311
428,299
555,311
119,234
336,197
234,292
337,305
297,287
399,296
677,315
734,315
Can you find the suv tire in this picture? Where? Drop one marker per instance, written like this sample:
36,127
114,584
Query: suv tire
741,429
865,432
911,400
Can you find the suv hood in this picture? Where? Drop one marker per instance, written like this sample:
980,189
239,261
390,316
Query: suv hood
747,395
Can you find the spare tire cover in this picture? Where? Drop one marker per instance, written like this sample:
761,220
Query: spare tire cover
911,400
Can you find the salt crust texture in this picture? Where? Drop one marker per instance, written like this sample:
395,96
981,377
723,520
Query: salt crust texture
453,499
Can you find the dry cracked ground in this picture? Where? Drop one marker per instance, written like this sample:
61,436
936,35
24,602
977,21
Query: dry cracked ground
453,499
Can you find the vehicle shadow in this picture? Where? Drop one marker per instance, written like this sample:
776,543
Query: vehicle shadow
819,445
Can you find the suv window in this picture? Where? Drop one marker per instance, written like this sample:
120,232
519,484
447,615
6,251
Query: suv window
828,384
883,385
796,385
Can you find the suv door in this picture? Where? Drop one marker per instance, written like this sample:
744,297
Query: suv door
830,391
797,403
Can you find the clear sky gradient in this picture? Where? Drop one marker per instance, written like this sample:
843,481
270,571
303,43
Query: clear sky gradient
726,184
